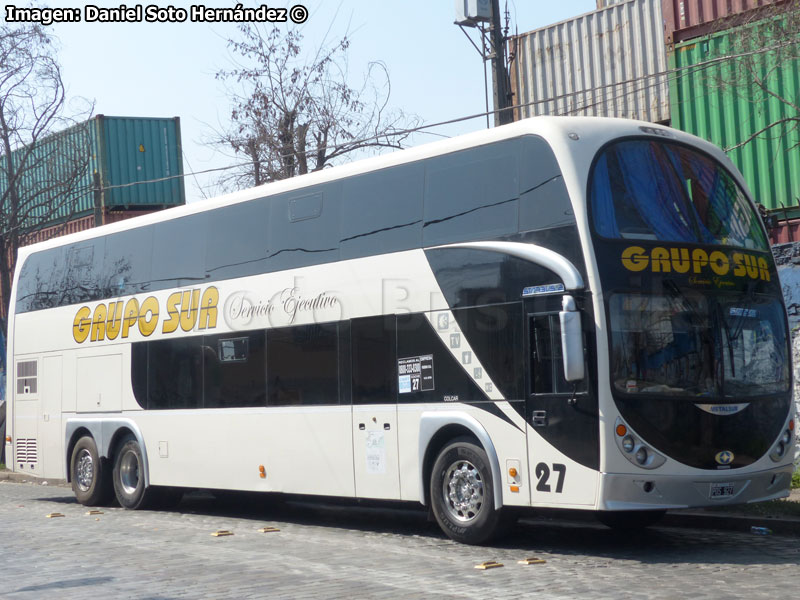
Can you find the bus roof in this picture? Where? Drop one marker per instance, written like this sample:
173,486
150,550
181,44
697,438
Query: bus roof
554,130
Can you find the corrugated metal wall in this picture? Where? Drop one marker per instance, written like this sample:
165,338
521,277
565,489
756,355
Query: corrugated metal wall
611,62
686,19
727,115
45,168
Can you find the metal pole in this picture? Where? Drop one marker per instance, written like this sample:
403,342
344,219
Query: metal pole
98,201
499,75
485,77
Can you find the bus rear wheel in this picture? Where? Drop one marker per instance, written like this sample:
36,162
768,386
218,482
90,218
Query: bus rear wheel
462,493
88,472
128,475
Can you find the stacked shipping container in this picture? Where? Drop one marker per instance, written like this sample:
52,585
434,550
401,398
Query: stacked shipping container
610,62
139,161
664,61
714,96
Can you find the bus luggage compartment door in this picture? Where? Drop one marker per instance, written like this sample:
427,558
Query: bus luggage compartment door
374,398
375,452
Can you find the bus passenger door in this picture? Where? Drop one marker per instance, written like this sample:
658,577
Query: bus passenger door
374,395
561,428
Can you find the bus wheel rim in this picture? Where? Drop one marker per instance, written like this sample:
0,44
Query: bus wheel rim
463,491
129,472
84,470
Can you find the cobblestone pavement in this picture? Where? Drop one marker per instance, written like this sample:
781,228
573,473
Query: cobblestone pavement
355,552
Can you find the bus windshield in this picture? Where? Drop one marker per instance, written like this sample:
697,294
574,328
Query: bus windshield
692,344
656,190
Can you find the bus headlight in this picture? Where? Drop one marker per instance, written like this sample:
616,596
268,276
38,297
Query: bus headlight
634,449
779,449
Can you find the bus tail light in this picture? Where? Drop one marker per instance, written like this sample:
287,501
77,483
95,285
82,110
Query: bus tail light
8,439
621,430
262,472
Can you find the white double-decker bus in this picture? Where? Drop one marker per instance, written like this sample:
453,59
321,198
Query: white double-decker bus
563,312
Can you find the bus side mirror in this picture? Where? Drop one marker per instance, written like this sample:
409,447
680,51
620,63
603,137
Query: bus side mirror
571,340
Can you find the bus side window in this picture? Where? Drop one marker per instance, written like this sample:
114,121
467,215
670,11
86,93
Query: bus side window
175,373
303,365
472,194
178,252
382,212
374,349
547,371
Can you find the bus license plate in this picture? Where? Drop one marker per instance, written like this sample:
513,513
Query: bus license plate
721,490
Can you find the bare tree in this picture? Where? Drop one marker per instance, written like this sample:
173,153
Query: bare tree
764,44
42,173
291,116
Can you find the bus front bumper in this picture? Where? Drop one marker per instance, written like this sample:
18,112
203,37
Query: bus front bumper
649,491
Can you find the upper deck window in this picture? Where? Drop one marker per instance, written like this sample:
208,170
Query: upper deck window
655,190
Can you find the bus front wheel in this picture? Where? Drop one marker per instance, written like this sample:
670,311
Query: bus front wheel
128,475
462,493
88,472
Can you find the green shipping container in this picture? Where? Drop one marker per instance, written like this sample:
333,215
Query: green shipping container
133,150
704,102
139,160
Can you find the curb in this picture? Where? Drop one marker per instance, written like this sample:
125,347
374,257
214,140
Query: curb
25,478
681,519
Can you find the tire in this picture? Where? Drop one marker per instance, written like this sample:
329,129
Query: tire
91,481
129,476
630,520
462,493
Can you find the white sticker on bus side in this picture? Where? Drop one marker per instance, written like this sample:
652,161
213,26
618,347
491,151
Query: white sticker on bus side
376,452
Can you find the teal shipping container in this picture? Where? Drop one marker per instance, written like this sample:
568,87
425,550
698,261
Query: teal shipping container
139,161
713,95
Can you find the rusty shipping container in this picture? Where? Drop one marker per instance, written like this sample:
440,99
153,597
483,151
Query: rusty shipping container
611,62
687,19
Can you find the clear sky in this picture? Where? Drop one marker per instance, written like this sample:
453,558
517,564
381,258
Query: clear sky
167,69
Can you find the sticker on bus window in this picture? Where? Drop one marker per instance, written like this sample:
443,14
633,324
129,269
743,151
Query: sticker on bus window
415,374
535,290
744,312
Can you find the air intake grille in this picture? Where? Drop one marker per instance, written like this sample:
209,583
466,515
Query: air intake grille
27,377
26,451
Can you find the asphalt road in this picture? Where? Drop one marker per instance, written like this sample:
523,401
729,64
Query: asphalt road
332,551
